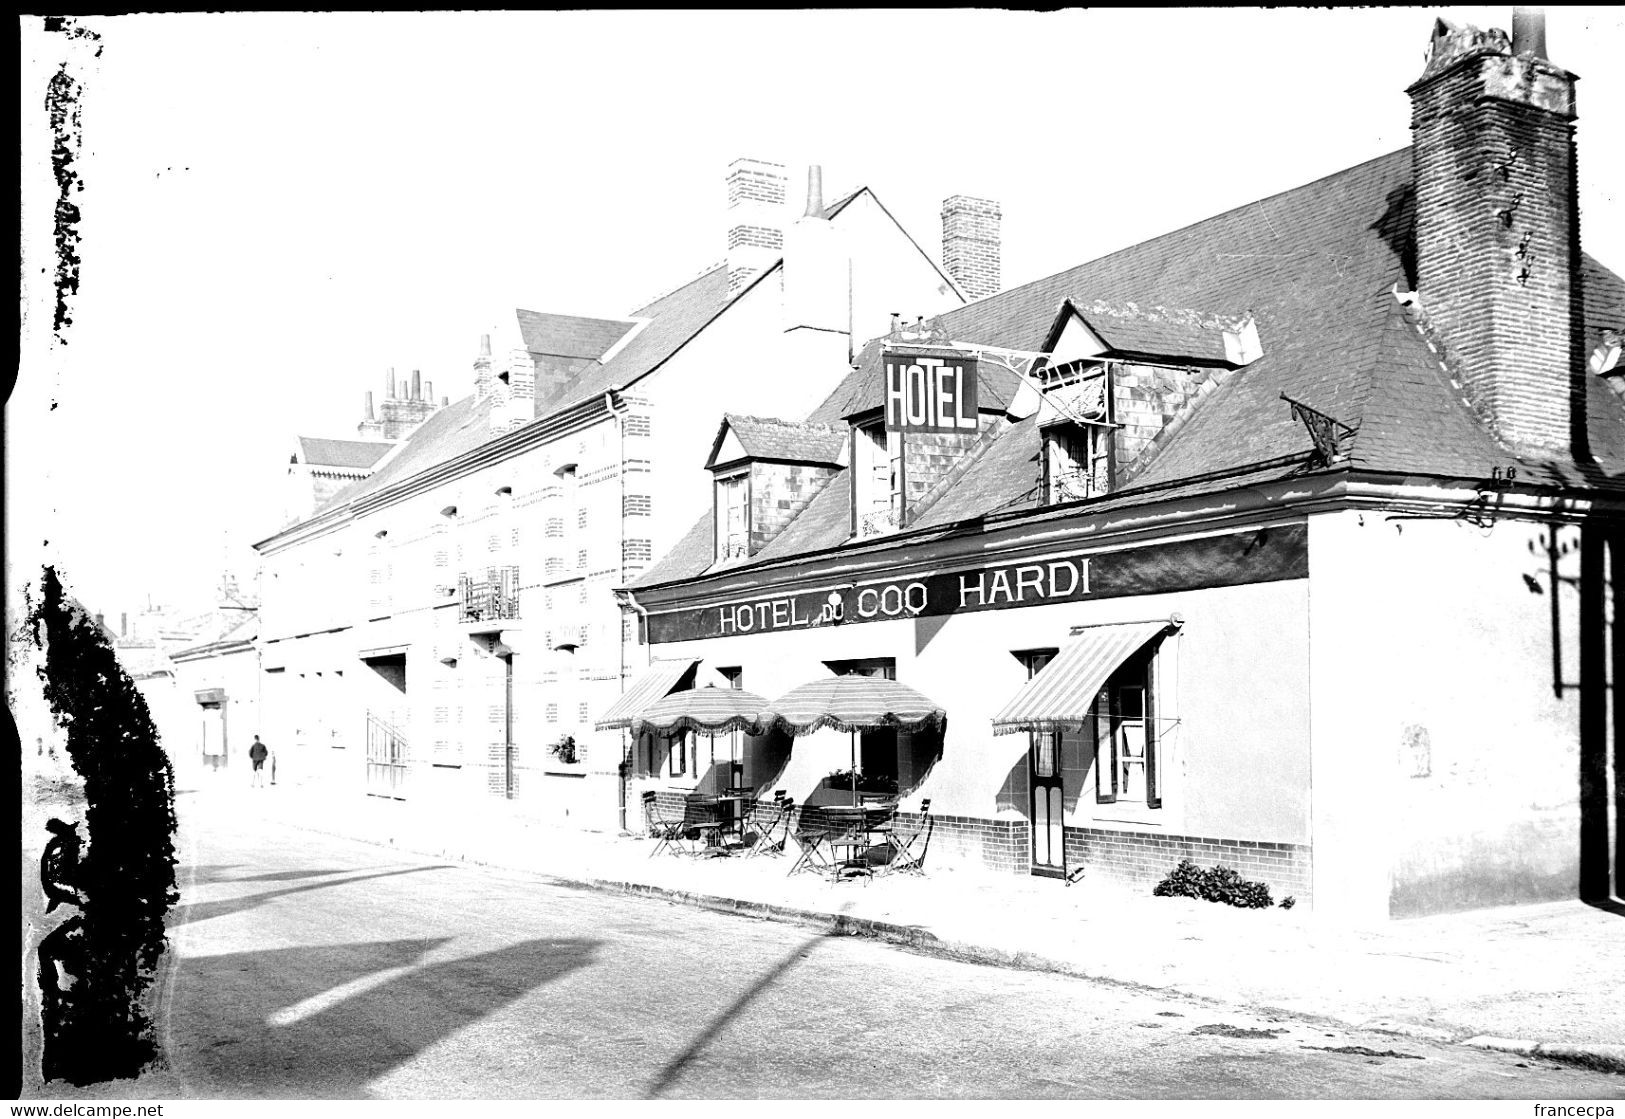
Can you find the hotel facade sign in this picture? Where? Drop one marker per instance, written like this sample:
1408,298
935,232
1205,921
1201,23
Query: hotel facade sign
1259,556
930,392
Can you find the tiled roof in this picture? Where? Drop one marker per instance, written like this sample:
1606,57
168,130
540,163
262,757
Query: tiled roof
1317,267
353,454
1161,331
568,335
673,320
787,440
460,426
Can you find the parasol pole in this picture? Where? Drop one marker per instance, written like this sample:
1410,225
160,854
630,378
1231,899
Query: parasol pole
853,771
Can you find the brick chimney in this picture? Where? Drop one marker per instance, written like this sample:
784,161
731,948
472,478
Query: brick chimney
482,369
970,243
1498,230
756,219
513,392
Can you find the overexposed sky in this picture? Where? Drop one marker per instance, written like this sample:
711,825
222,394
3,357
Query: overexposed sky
277,208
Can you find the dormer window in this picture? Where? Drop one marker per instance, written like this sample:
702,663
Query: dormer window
1077,462
1077,428
877,479
733,515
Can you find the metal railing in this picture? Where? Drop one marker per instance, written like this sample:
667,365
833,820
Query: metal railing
494,598
387,759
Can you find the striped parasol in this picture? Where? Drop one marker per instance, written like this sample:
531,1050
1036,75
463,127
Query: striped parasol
852,703
710,710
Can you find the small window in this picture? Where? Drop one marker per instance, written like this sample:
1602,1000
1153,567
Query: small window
884,668
734,676
878,506
1045,745
733,517
1077,462
677,755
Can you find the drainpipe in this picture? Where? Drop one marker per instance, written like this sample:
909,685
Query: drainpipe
623,769
626,598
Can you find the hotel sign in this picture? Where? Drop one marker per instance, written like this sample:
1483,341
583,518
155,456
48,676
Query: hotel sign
1260,556
930,392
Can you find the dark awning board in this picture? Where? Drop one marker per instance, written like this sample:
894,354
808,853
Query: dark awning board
656,684
1062,695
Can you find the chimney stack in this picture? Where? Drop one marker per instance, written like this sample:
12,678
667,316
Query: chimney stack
124,624
482,369
428,390
817,289
1497,229
755,219
417,385
970,243
389,385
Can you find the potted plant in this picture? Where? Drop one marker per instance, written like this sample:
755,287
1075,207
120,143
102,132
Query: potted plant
565,750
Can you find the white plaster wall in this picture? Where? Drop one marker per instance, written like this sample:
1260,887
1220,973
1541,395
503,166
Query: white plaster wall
1235,679
1428,642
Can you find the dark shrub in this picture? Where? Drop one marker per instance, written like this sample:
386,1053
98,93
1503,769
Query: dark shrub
1187,880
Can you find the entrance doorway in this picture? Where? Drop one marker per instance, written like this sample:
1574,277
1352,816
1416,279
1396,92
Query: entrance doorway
1048,805
1047,796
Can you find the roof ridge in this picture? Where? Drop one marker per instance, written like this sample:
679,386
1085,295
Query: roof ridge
642,308
1182,229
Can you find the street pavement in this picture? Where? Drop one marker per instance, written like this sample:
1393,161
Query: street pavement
1537,977
310,965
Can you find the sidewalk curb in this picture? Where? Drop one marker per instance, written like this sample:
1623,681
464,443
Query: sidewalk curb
1604,1058
1598,1057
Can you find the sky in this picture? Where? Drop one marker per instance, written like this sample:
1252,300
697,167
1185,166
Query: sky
277,208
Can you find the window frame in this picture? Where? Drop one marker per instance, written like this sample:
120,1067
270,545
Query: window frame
727,481
1139,671
1035,661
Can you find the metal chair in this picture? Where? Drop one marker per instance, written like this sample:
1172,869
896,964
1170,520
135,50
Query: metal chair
909,848
701,825
810,832
666,831
766,819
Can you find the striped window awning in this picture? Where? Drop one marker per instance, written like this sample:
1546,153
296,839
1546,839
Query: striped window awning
652,686
1062,695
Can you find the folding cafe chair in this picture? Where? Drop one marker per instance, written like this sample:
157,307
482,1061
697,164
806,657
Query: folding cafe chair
764,821
909,845
811,834
666,830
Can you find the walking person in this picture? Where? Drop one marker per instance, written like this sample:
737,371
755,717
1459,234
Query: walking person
256,754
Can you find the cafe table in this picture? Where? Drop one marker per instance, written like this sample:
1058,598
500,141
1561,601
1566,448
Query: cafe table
861,828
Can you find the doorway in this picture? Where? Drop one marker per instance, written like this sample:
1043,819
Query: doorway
1047,794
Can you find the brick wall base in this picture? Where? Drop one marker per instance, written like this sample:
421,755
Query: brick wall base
1142,859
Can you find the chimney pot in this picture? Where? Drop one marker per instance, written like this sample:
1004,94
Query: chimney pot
389,385
417,385
428,391
485,345
124,624
1529,31
815,192
370,414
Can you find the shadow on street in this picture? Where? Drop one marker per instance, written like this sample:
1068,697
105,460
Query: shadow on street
333,1050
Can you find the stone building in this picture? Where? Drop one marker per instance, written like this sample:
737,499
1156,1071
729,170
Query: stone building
1301,561
445,627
